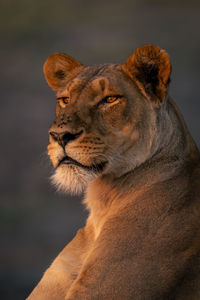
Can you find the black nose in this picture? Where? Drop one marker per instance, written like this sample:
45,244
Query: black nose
63,138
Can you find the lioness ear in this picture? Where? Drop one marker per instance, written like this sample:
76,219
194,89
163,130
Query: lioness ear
150,67
58,67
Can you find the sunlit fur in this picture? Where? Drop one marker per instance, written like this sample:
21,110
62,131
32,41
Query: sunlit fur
142,236
72,179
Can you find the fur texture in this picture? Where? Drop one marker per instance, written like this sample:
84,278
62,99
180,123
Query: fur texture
120,138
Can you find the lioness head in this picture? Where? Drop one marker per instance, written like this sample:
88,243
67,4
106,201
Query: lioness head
107,116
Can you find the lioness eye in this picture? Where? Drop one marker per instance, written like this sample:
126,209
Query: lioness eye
110,99
62,101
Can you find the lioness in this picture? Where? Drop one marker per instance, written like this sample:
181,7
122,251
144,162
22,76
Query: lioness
118,134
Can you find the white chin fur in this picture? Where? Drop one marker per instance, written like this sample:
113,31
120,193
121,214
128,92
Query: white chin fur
72,179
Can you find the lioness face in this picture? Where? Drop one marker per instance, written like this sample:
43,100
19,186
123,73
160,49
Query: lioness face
104,122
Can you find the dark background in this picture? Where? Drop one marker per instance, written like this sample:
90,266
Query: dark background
37,222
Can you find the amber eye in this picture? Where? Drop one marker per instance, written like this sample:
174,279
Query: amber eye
62,101
111,99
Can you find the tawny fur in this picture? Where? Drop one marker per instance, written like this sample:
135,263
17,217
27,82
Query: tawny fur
140,168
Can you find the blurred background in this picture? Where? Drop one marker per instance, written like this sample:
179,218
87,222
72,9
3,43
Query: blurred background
36,222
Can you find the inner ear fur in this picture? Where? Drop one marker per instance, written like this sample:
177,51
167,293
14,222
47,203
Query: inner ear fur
58,68
150,68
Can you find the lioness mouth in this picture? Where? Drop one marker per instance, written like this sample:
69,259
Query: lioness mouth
95,167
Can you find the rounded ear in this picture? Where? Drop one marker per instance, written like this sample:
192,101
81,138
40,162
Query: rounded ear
58,68
150,68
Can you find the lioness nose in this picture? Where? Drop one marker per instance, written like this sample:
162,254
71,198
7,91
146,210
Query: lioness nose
64,137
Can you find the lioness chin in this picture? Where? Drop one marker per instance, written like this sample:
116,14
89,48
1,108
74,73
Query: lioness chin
118,134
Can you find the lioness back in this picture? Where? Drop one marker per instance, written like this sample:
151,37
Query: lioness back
119,137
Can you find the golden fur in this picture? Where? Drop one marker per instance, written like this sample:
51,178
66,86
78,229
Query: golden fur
120,138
